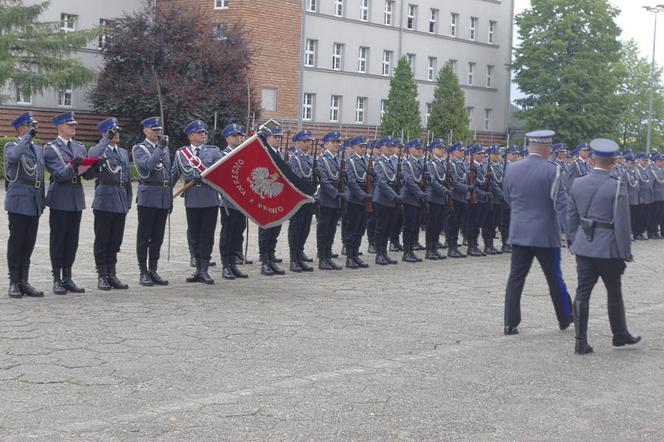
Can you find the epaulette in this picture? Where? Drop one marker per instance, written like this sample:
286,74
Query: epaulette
559,166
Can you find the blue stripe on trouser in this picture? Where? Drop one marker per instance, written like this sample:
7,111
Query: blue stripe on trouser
564,295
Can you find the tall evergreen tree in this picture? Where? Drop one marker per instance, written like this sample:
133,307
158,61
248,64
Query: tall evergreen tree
34,55
448,116
402,114
567,65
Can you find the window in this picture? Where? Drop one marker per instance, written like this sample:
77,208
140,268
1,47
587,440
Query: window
411,62
431,68
453,63
339,8
335,105
364,10
310,53
492,31
362,59
471,68
454,21
65,97
23,95
489,76
103,29
389,7
383,109
308,107
220,4
433,22
387,63
359,110
312,5
470,116
412,16
472,31
487,119
427,114
218,32
337,55
269,99
68,22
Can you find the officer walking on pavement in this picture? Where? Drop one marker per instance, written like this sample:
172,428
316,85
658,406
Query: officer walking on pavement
24,203
600,236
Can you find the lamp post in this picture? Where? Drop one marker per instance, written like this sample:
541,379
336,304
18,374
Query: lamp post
656,10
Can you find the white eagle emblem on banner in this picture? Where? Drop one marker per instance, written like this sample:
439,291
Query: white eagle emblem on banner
263,184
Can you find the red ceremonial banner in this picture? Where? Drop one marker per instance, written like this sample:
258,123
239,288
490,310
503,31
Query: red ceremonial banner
249,177
85,165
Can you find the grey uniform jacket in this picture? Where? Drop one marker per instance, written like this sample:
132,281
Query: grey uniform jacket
153,165
437,193
645,185
497,173
328,175
602,198
113,188
413,174
65,191
458,169
657,175
356,171
24,162
576,169
200,195
532,188
386,183
302,165
631,181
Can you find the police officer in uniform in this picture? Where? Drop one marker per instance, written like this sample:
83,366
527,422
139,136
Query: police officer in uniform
111,203
478,199
599,229
330,199
457,215
386,199
646,196
396,158
511,155
532,188
66,201
302,164
413,197
355,220
437,195
580,166
201,201
494,179
657,173
153,199
24,203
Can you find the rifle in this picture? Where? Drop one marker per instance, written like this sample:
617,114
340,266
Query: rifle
472,178
448,182
488,185
398,177
341,184
368,185
424,182
285,148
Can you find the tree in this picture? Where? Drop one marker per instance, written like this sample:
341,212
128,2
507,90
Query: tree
567,65
177,55
448,117
402,115
34,55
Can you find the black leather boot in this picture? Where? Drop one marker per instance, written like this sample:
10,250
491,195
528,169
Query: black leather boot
237,272
113,279
273,258
333,264
25,287
360,263
203,276
323,264
431,254
454,252
380,257
581,346
266,268
303,262
14,291
158,280
305,258
102,278
144,279
350,263
276,269
618,323
226,271
68,283
196,275
295,266
58,288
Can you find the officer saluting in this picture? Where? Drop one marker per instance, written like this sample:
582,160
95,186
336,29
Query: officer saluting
153,198
111,203
599,229
533,190
24,203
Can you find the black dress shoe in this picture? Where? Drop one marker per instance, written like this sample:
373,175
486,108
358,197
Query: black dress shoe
115,283
58,288
581,347
625,338
14,291
305,258
351,264
455,253
227,273
489,251
408,257
564,325
306,267
295,267
102,283
431,255
509,330
145,280
204,276
156,279
71,286
276,269
324,264
474,251
381,260
266,269
395,247
29,291
237,272
361,264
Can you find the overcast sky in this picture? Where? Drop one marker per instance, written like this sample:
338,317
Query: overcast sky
635,22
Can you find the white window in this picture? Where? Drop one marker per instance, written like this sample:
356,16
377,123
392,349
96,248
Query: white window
431,68
383,109
23,95
360,109
454,21
335,105
269,99
339,8
312,5
472,31
454,64
433,22
427,113
308,106
387,63
364,10
362,59
310,53
218,32
487,119
65,97
411,62
492,31
471,69
337,56
470,116
412,17
220,4
389,7
103,30
489,76
68,22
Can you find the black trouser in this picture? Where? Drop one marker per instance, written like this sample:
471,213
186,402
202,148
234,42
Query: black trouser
354,225
435,220
589,270
109,231
22,237
371,226
634,212
150,234
267,240
201,223
233,224
648,223
656,218
63,242
549,260
385,219
504,224
397,224
491,221
299,227
455,219
326,229
411,226
659,218
476,218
